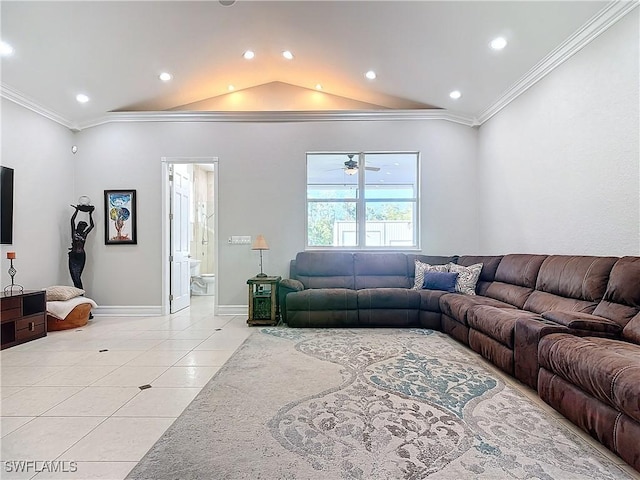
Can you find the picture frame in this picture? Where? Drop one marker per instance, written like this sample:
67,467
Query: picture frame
120,217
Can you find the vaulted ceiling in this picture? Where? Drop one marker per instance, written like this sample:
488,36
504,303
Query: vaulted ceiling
421,51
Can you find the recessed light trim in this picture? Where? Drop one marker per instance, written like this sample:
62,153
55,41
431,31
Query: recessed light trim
371,75
165,76
6,50
248,54
498,43
287,54
82,98
456,94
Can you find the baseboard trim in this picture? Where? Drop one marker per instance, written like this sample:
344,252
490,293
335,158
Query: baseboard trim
156,310
128,311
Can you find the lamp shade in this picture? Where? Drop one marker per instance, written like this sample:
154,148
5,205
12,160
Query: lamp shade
260,243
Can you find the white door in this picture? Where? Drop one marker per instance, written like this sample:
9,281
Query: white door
179,259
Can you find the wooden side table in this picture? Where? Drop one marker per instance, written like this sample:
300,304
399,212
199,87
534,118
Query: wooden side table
263,301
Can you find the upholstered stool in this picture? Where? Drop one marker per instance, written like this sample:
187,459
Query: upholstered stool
78,317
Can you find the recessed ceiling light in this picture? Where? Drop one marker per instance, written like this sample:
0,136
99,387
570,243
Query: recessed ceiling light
82,98
226,3
248,55
498,43
318,86
371,75
231,88
456,94
287,54
5,49
165,77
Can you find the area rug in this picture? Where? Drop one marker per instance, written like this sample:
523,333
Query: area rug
365,404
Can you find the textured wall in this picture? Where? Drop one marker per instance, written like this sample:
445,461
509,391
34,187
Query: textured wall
262,190
559,167
39,151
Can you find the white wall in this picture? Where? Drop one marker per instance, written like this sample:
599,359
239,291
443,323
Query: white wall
261,190
39,151
559,167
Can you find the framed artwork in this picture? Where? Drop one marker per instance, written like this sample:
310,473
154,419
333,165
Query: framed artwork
120,217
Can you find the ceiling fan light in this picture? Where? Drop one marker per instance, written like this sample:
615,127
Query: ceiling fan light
351,170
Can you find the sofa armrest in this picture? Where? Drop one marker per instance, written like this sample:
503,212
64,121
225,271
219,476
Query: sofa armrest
285,287
291,285
583,321
527,334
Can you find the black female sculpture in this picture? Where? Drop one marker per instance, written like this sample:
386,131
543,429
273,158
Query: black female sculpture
77,255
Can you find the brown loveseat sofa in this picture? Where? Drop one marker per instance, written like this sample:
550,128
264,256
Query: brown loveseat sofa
529,310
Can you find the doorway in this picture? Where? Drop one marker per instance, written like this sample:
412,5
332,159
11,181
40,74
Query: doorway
189,223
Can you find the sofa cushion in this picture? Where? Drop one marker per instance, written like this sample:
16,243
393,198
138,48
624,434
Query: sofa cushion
631,330
440,281
621,301
430,300
457,306
570,283
325,269
607,369
386,298
497,323
467,277
515,278
583,321
380,270
421,268
323,299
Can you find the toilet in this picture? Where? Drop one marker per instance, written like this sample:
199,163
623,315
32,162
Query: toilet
201,283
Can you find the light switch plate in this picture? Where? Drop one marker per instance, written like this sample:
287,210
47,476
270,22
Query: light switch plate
240,239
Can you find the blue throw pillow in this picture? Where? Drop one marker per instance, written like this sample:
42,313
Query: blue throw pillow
440,281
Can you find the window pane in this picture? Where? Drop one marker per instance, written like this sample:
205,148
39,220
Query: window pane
332,224
320,192
330,169
390,224
391,175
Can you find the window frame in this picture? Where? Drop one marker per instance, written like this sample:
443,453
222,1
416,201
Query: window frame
361,202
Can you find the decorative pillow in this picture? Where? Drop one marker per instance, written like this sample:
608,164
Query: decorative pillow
467,278
440,281
61,293
425,267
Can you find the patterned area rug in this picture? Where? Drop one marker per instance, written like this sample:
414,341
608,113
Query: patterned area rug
365,404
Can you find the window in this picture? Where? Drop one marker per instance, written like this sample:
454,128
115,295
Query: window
363,200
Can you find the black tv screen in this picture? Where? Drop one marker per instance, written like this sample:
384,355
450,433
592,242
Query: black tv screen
6,205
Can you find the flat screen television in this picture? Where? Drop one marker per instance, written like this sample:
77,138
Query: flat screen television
6,205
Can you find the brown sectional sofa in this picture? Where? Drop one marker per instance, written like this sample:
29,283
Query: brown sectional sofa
568,326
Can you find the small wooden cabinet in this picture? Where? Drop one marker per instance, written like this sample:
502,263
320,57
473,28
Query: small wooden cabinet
263,300
23,317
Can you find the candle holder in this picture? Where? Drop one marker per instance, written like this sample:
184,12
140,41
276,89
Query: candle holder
14,287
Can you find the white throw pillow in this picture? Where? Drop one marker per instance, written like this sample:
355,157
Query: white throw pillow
467,277
425,267
60,293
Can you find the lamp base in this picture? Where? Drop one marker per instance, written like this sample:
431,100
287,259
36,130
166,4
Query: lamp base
261,275
12,289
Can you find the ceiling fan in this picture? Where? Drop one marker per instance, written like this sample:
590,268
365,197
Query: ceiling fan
351,166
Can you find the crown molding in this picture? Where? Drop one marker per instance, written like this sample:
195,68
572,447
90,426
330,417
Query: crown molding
17,97
281,116
599,23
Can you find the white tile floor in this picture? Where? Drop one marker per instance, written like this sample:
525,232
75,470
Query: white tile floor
64,399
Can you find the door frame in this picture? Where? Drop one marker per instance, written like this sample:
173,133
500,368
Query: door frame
166,224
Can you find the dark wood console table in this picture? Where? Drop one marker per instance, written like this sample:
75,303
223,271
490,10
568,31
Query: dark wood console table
23,317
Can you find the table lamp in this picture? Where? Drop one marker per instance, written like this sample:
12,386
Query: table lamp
260,244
